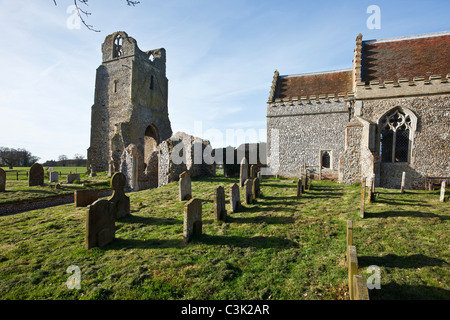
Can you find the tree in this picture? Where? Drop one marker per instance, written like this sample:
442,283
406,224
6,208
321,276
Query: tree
78,159
63,159
16,157
85,13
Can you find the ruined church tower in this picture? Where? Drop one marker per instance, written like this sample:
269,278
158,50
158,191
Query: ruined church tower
130,113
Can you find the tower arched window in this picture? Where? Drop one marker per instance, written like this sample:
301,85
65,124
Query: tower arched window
396,131
117,46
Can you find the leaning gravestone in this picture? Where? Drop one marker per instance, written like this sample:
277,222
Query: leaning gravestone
192,219
248,186
220,213
36,175
100,224
2,180
71,177
185,192
120,201
244,172
256,188
235,197
53,176
83,198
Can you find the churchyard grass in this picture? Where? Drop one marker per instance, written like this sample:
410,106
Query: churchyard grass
279,247
18,190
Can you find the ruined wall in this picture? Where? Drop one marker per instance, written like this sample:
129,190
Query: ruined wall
305,127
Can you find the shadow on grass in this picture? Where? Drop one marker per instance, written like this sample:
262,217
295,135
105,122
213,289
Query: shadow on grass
395,291
401,202
149,220
260,219
120,243
412,214
395,261
259,242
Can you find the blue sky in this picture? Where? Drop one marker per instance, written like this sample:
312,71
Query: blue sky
221,56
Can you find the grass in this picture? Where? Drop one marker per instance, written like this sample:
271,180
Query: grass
280,247
18,190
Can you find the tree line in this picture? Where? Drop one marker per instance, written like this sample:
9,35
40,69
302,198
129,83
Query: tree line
11,157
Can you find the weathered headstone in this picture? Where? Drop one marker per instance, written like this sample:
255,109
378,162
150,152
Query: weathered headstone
220,213
442,195
121,202
100,224
402,188
363,197
2,180
71,177
92,172
256,188
83,198
244,172
185,192
248,188
259,176
235,197
192,219
299,187
53,176
36,175
253,169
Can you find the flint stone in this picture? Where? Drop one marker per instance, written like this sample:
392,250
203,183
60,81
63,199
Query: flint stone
220,213
100,224
192,219
235,197
119,200
71,177
185,192
83,198
36,175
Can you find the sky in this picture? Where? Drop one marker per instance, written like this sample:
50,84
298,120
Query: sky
221,57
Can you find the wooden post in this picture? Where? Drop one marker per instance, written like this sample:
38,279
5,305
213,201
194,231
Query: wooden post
320,171
352,269
299,187
442,196
17,175
402,189
349,233
310,181
363,196
360,288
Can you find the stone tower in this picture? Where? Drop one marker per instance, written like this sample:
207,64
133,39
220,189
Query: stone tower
130,114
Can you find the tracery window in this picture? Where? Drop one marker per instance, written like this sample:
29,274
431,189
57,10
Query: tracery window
395,130
117,46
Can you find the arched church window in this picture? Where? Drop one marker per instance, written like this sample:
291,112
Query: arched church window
117,46
326,160
395,130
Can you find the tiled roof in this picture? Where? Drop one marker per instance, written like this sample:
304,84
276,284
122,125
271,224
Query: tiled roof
314,84
406,58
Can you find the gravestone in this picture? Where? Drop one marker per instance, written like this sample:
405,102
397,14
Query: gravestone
256,188
442,195
53,176
259,176
235,197
192,219
92,172
71,177
36,175
299,187
244,172
253,171
185,186
120,201
83,198
100,224
220,213
2,180
248,186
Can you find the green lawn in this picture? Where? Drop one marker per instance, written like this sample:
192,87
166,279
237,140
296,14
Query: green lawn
280,247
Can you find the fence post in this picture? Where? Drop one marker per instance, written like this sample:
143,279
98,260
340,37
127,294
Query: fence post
360,288
352,269
442,195
402,188
349,233
17,175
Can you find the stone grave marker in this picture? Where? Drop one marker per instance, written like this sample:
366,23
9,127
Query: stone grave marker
2,180
100,224
244,172
53,176
235,197
442,195
248,188
36,175
220,213
192,219
253,171
71,177
120,201
256,188
185,192
83,198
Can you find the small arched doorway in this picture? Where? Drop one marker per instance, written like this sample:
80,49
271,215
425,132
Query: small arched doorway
151,142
